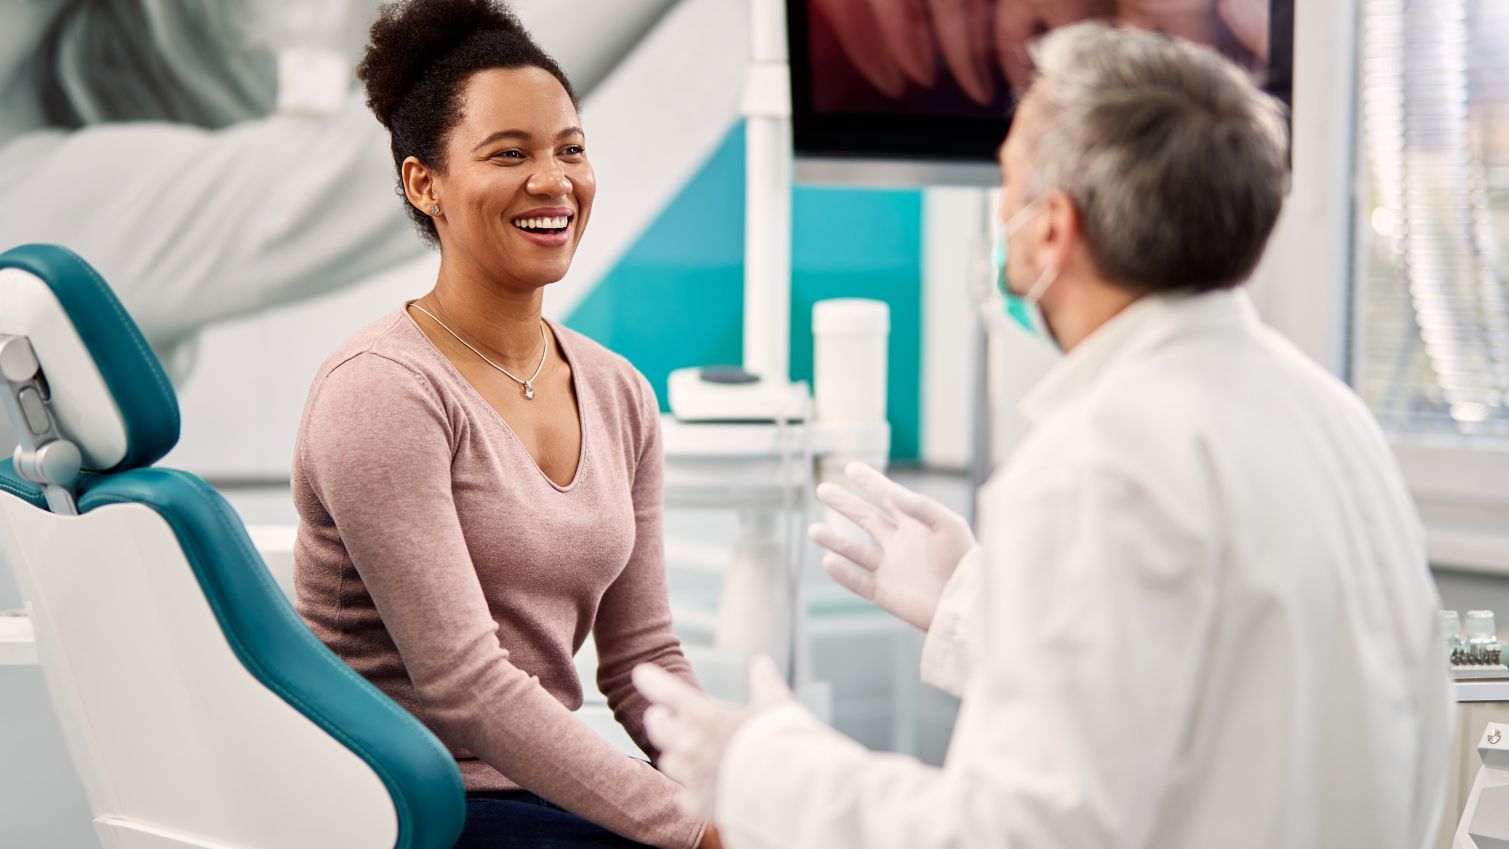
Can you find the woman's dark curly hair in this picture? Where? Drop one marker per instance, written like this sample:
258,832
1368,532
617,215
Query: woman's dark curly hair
421,55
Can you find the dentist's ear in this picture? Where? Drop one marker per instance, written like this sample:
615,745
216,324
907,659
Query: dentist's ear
1061,228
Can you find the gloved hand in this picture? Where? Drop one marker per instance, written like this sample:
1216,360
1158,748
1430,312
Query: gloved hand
693,732
917,544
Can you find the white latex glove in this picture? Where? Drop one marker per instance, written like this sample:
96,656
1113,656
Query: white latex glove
917,544
693,732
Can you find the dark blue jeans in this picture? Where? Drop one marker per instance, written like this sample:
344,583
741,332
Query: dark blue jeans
518,819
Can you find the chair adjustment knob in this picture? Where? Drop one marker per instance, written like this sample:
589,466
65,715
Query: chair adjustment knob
58,462
18,361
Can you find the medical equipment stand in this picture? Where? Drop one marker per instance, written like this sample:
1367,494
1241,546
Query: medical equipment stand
751,431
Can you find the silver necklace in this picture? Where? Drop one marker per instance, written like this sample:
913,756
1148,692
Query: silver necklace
527,384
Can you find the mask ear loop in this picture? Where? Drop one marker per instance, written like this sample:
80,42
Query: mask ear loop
1044,280
1008,228
1049,275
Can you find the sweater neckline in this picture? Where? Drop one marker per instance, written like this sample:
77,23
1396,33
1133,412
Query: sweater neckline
576,385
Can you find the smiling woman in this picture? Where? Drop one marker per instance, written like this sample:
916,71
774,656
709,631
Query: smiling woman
479,489
515,161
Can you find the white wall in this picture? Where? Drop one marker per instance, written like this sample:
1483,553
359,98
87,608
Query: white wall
954,228
1302,285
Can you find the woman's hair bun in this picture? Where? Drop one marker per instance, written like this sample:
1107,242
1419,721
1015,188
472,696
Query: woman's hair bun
411,36
417,66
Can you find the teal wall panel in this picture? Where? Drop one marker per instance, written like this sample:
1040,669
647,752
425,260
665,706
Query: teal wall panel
863,243
677,297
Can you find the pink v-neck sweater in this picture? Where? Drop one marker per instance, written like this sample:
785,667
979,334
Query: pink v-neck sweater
438,560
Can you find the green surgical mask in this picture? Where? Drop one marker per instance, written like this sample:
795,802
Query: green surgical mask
1025,310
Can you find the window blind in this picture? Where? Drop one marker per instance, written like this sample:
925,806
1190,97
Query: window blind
1431,310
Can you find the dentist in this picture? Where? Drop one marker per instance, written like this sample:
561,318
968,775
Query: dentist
1199,612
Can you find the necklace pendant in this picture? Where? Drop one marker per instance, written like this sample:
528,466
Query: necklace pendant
528,391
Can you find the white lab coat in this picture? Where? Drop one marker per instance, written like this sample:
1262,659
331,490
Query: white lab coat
1202,618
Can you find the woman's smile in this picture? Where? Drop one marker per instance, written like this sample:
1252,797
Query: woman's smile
547,227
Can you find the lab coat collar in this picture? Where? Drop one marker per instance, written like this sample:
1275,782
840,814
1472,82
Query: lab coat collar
1140,328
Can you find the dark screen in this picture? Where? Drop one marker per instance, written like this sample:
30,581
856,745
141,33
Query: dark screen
900,79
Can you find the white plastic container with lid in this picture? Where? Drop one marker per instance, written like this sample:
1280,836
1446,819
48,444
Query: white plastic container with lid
850,339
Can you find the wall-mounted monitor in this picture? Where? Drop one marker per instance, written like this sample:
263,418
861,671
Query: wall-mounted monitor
920,92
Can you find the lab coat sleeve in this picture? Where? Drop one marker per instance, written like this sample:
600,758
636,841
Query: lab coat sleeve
1095,595
945,651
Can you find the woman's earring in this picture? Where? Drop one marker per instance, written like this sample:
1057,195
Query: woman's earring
434,209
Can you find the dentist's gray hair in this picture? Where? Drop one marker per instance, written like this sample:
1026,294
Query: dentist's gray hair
1176,161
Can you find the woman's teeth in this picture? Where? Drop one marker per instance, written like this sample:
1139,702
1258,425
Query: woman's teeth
542,224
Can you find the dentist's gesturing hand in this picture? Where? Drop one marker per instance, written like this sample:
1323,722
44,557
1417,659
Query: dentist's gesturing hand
693,732
916,544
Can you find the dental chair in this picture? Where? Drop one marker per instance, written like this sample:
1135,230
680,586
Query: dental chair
198,709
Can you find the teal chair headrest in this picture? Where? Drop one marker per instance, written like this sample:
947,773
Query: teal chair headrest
108,390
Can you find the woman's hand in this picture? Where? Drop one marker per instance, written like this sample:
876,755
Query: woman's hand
710,838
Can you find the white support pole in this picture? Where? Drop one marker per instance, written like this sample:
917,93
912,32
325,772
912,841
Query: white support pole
767,224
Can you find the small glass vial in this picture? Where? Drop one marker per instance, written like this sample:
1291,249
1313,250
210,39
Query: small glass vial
1451,631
